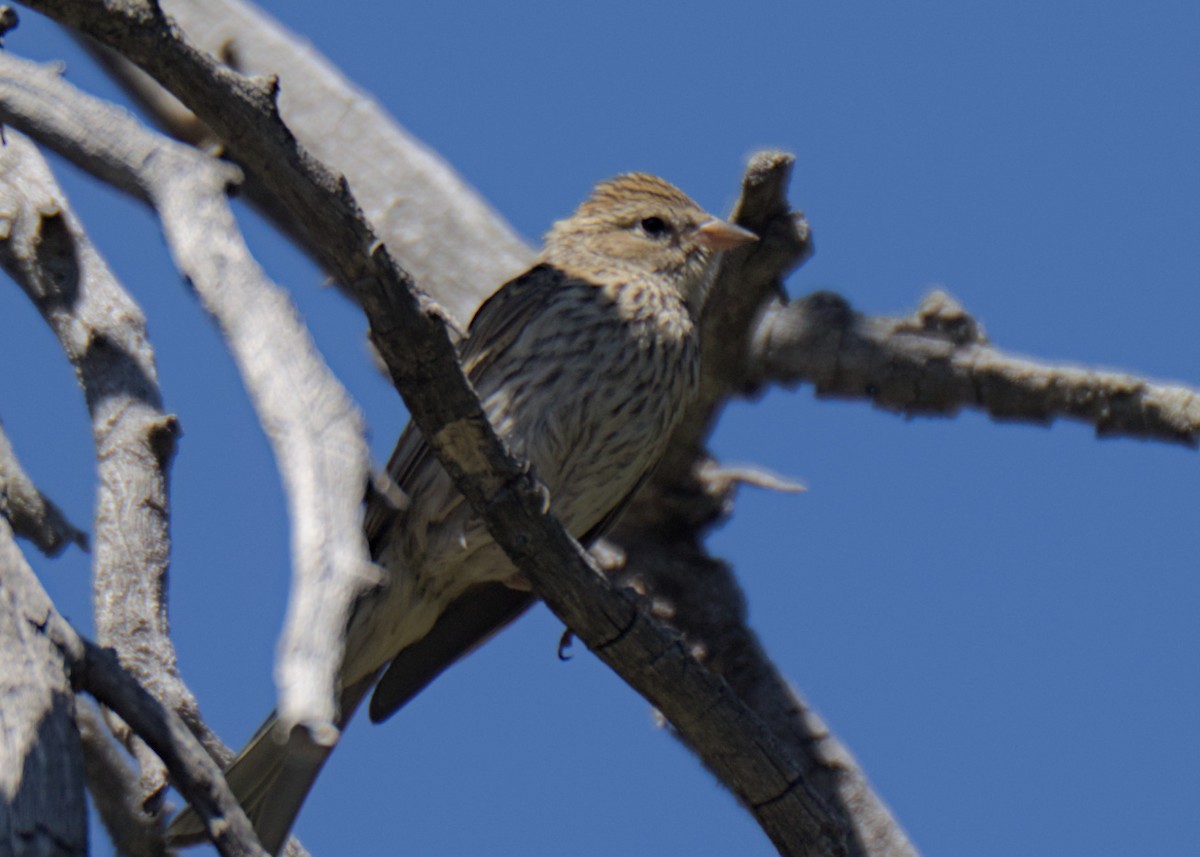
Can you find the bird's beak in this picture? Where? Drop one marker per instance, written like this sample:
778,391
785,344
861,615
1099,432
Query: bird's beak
719,235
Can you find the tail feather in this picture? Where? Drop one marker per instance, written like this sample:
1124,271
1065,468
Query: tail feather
270,779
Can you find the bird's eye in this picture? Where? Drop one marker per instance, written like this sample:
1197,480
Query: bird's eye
655,227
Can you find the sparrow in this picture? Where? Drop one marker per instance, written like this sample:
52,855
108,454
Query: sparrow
584,365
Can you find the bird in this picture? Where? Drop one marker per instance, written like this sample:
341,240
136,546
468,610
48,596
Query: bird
584,365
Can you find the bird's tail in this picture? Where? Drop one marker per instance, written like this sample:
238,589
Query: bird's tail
270,779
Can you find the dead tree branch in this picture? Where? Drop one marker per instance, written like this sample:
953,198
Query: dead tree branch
113,784
30,513
937,361
315,430
933,362
42,807
415,344
451,241
102,331
26,605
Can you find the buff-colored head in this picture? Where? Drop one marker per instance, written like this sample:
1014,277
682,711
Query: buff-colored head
636,226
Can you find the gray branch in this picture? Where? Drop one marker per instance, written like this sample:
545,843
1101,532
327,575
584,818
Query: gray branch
103,334
452,242
42,808
134,439
414,342
661,536
315,431
29,512
938,361
192,769
898,363
114,786
96,670
658,561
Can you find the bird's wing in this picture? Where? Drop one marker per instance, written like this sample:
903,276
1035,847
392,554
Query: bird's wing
465,625
502,317
497,322
484,610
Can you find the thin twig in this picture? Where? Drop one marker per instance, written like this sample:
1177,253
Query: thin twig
193,771
28,510
114,787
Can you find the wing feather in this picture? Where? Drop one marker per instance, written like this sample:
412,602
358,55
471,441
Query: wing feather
482,611
497,322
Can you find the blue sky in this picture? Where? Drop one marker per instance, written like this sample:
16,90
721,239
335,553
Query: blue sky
998,619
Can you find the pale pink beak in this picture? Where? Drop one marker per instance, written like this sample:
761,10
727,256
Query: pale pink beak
719,235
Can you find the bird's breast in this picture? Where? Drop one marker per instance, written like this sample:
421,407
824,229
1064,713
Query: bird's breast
588,392
596,405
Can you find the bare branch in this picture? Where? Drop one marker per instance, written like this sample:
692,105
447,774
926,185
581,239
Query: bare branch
114,787
42,808
767,211
661,537
315,430
689,502
937,361
27,509
448,238
259,44
98,672
415,344
193,771
103,333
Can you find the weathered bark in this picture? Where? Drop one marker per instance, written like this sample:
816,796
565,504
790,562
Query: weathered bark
416,346
42,809
933,362
41,761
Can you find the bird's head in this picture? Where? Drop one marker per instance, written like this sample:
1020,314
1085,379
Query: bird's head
637,226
